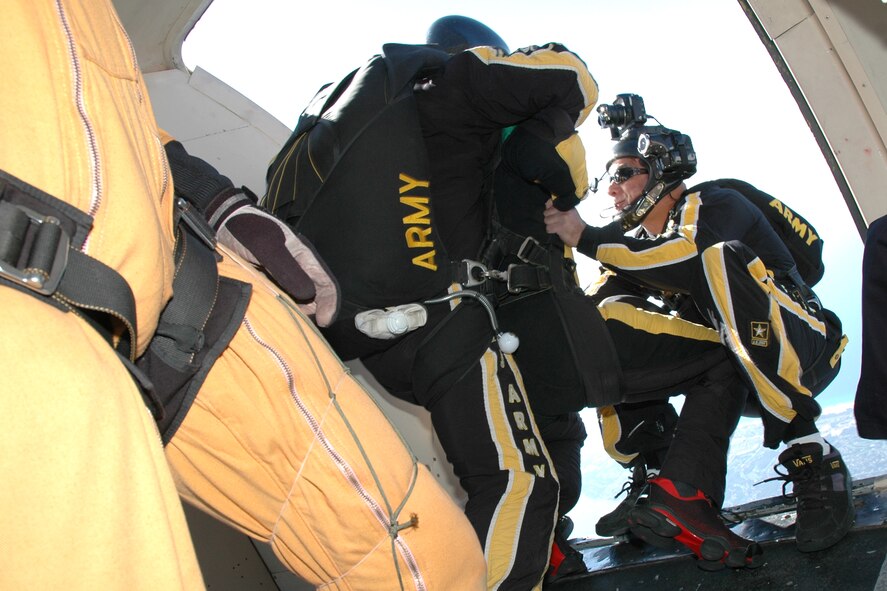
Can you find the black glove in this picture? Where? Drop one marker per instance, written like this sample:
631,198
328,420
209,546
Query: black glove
256,235
559,167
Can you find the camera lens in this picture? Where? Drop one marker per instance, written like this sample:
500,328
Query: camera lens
612,115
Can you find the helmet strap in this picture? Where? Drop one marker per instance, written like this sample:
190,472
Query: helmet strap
632,217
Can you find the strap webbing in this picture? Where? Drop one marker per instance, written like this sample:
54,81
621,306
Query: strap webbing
39,254
179,335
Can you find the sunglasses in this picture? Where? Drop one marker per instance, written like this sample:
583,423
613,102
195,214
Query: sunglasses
623,173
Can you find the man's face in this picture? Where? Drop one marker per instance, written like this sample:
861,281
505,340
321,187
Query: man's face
628,177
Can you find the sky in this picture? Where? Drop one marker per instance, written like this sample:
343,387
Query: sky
698,64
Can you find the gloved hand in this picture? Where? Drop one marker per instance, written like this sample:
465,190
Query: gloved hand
559,167
256,235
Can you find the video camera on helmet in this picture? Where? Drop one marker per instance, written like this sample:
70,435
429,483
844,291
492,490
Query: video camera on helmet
669,152
627,111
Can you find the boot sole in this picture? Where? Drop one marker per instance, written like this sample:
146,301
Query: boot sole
611,532
656,526
828,541
653,528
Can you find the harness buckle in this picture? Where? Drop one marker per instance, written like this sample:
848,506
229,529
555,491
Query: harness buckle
524,278
529,251
471,273
47,257
513,288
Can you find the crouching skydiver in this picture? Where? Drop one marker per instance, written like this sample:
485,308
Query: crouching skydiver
567,340
388,173
106,281
718,248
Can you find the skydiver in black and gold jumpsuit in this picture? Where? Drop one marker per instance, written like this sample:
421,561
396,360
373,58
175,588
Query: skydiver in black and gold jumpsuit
718,248
396,210
658,355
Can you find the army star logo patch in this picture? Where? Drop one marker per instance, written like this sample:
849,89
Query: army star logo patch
760,334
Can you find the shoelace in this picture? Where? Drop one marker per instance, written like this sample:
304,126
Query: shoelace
634,483
805,486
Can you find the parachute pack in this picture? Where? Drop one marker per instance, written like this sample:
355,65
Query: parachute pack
801,238
356,161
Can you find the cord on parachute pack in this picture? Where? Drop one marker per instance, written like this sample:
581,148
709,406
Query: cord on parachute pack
799,235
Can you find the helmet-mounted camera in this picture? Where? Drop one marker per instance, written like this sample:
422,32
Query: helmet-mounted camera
627,111
667,154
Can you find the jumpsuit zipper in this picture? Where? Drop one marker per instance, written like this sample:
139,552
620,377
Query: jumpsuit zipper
339,461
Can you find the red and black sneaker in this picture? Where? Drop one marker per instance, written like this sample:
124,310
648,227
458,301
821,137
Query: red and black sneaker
565,561
678,512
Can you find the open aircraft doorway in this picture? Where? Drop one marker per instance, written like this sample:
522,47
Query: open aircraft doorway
789,97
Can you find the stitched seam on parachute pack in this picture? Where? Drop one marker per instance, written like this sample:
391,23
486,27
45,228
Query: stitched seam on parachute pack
344,575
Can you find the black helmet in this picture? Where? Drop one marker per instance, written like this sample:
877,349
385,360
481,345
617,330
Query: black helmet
626,146
667,155
456,33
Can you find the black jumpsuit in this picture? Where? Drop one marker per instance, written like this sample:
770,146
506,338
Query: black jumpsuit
870,405
722,251
452,366
656,355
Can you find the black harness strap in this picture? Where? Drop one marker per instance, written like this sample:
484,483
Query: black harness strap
180,335
196,326
40,237
531,274
198,323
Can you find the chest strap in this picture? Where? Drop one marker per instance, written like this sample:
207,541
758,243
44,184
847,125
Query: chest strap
40,241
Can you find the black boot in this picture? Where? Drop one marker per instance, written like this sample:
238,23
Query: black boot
615,523
823,488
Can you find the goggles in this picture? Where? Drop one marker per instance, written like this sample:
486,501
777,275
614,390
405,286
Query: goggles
623,173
